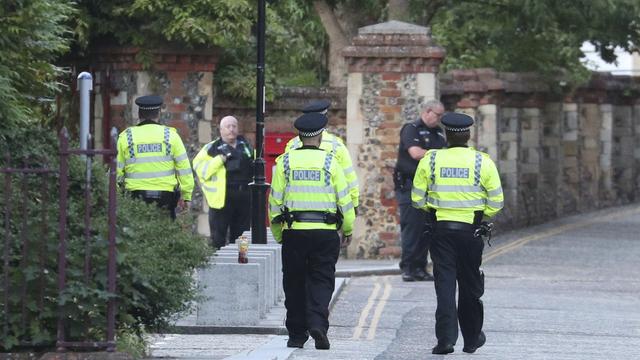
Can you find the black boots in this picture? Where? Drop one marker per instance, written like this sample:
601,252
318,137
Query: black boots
296,343
322,342
416,275
442,349
422,275
481,340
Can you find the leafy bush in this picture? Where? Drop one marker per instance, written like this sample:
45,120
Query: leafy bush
156,256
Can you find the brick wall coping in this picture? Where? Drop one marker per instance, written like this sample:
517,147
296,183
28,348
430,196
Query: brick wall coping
608,81
395,27
164,59
483,80
294,98
394,39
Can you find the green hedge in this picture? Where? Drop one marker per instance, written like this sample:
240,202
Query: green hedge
155,262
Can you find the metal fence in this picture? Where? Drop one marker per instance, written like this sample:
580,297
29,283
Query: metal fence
19,254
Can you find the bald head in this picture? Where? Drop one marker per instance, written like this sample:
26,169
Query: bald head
229,129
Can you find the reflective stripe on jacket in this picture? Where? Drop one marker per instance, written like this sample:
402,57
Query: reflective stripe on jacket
456,182
334,144
153,157
212,176
309,180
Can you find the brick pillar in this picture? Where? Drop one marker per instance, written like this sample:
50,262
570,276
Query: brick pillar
590,155
393,67
570,185
607,190
551,161
184,78
623,152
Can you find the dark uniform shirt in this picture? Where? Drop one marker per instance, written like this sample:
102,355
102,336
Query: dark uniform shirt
239,165
416,133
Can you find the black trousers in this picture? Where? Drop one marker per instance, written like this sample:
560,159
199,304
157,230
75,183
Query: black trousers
163,199
309,269
415,243
234,217
457,256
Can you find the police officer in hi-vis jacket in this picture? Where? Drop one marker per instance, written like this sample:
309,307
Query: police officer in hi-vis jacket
332,143
309,202
458,186
152,161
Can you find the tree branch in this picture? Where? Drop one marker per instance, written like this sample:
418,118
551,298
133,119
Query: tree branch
337,41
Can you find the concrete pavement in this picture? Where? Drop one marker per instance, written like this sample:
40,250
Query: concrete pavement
563,290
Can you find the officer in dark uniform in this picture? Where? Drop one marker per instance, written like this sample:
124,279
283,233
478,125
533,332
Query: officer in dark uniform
415,139
225,168
308,203
459,186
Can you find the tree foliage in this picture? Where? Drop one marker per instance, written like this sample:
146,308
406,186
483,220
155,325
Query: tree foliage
544,36
32,35
294,42
509,35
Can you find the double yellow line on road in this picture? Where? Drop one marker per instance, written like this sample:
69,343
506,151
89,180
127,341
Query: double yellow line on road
555,231
382,302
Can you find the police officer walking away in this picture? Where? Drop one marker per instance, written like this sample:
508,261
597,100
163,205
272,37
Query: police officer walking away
309,202
415,139
152,160
332,143
224,168
459,186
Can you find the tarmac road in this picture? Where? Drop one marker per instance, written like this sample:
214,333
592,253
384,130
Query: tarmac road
569,289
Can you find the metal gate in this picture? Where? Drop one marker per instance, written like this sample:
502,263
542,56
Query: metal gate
20,284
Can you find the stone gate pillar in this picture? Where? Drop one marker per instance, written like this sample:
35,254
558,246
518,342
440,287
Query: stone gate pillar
182,77
393,67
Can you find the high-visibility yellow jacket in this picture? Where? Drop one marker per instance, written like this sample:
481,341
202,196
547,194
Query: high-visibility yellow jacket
456,182
335,145
152,157
309,179
212,176
212,173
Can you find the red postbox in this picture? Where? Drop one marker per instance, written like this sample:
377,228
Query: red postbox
274,144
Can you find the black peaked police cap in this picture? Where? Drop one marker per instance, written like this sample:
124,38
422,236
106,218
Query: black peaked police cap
456,122
310,124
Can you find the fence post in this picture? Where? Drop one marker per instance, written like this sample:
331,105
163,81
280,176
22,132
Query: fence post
62,246
87,211
111,266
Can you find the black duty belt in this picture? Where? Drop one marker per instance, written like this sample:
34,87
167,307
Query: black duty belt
151,194
455,225
315,217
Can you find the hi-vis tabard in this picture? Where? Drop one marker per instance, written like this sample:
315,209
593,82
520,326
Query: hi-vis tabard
309,180
334,144
456,182
153,157
212,176
212,173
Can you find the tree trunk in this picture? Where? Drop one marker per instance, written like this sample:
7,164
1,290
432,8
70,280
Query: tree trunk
399,10
337,41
